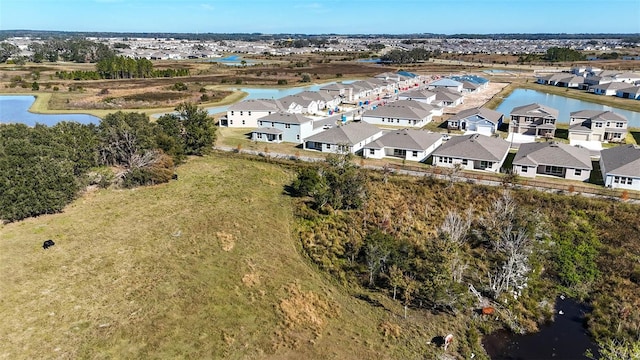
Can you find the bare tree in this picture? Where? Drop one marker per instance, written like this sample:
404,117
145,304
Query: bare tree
456,227
511,275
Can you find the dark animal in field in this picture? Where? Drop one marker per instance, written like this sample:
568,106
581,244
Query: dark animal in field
174,177
47,244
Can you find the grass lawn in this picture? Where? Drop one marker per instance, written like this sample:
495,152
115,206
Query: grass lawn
203,267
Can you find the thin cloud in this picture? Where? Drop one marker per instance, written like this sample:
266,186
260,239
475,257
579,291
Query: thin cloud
207,7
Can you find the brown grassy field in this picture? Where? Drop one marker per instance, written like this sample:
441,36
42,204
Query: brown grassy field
203,267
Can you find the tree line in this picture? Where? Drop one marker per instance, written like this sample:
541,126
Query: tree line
406,57
121,67
44,168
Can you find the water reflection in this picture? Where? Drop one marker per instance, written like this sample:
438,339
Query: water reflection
564,338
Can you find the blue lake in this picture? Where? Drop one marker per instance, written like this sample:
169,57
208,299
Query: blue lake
564,105
15,109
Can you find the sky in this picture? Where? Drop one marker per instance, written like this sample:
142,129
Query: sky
324,16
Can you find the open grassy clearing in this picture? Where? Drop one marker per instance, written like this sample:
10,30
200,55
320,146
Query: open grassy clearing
202,267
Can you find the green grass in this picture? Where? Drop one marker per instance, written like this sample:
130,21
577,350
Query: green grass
203,267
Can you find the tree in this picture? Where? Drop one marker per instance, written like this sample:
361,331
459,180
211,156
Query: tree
306,77
613,349
7,51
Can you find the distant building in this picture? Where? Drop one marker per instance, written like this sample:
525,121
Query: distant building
533,119
595,125
472,152
553,159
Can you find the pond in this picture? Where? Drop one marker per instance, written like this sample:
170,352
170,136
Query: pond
563,104
15,109
234,60
565,338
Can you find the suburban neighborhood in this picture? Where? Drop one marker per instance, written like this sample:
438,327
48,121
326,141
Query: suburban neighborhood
384,117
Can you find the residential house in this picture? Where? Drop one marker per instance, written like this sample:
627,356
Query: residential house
472,152
406,144
608,89
627,77
554,159
445,83
620,167
435,110
351,137
292,128
300,104
246,113
424,96
596,125
480,120
408,113
340,90
533,119
632,92
447,98
325,100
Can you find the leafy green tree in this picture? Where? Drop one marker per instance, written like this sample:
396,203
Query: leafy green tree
124,135
7,51
192,130
575,254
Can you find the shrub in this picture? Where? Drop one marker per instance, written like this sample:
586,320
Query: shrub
238,81
282,82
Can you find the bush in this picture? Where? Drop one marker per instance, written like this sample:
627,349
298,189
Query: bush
35,86
238,81
282,82
179,87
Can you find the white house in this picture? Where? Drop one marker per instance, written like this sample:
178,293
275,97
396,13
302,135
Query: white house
406,144
620,167
481,120
299,104
424,96
292,128
448,98
351,137
608,89
632,92
445,83
554,159
246,113
407,113
472,152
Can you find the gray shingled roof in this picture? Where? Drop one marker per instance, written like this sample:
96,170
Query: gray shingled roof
597,115
256,105
408,139
534,110
316,95
418,94
286,118
414,104
485,113
349,134
623,160
553,153
475,147
611,86
267,130
399,112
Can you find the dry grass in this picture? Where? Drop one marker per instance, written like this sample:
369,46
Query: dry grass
151,273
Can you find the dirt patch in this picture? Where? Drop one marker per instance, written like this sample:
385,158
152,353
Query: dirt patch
251,279
226,240
305,316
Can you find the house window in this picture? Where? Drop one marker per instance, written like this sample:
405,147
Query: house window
260,122
578,172
524,169
240,113
242,122
554,170
598,124
297,137
415,154
259,135
273,124
617,135
372,152
454,124
328,146
485,164
465,161
382,119
232,113
622,180
230,122
549,121
619,124
287,126
249,112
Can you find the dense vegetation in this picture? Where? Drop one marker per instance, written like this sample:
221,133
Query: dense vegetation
448,248
43,168
120,67
406,57
556,54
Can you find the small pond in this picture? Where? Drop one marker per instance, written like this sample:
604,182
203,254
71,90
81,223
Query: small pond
234,60
15,109
563,104
565,338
